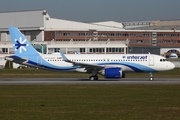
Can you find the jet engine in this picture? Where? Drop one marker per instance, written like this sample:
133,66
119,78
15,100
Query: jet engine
113,73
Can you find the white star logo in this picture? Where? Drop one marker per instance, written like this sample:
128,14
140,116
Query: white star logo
20,44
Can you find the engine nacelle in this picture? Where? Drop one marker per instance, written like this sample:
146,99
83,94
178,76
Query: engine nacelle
113,73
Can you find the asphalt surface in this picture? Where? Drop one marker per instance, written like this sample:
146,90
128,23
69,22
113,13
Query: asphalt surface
77,81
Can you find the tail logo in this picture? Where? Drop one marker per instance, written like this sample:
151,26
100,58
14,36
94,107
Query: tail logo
20,44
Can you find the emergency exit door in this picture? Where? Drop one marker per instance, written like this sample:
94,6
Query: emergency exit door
151,60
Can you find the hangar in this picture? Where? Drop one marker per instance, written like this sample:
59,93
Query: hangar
54,34
48,34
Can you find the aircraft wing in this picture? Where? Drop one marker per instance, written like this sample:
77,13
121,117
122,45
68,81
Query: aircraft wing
87,66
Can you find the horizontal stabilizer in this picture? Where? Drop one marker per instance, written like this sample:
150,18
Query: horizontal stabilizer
16,60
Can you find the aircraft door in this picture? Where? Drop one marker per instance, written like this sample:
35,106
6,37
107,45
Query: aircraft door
151,60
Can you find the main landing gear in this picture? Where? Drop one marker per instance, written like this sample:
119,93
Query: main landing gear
94,75
151,77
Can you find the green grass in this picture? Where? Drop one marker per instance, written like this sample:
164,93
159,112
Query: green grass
84,102
34,73
89,102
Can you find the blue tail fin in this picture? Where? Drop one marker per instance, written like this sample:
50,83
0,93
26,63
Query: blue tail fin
21,46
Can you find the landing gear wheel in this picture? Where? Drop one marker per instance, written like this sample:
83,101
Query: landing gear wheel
151,78
96,77
93,78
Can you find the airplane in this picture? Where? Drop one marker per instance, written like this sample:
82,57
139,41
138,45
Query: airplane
173,55
109,65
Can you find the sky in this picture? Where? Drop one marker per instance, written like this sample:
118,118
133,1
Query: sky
99,10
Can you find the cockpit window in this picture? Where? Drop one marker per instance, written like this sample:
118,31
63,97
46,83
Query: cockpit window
162,60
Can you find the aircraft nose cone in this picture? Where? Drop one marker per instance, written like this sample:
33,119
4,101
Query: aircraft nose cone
173,66
170,66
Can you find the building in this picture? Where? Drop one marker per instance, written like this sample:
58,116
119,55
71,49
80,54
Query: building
48,35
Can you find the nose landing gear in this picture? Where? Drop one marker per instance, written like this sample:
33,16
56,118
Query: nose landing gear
151,77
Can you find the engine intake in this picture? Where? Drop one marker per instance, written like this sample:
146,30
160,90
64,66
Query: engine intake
113,73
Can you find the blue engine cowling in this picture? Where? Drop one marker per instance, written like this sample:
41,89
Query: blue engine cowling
113,73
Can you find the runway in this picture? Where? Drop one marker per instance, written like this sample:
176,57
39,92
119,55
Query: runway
77,81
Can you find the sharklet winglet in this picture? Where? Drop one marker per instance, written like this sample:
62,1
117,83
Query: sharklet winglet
63,56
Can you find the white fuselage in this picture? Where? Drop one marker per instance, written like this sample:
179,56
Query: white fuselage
128,62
